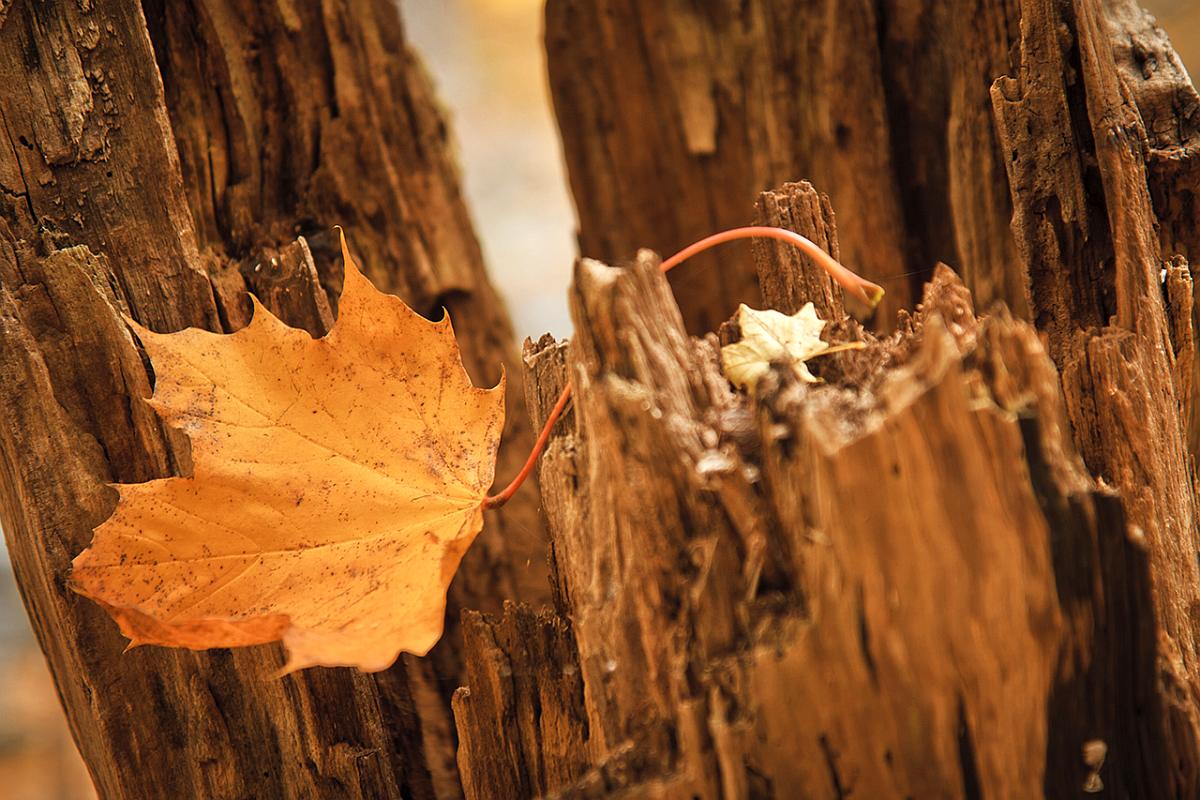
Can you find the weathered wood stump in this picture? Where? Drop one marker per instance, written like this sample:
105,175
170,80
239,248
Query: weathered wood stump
963,565
158,160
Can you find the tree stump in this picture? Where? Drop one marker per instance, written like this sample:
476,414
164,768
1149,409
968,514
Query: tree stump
158,160
963,565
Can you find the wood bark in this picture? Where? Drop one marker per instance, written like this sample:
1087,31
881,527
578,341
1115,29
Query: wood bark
965,565
157,160
901,583
675,115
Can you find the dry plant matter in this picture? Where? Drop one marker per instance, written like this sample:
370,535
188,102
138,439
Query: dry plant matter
337,481
336,484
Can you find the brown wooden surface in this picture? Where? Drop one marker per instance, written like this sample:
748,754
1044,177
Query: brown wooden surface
787,278
157,161
965,565
846,588
676,115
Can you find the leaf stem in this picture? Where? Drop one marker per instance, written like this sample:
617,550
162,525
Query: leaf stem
497,500
870,293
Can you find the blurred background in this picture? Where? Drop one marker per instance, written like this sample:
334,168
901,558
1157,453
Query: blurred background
485,56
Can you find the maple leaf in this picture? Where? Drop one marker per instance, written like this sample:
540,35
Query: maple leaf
769,337
337,483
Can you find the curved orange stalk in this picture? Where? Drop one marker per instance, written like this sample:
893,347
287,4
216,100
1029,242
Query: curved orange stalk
497,500
870,293
863,289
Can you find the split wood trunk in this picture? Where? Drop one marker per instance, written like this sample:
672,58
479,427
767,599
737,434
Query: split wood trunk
965,565
158,160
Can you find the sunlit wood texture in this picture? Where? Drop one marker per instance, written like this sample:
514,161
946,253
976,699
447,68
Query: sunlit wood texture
966,565
159,160
674,116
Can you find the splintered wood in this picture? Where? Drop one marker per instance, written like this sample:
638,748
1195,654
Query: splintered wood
901,582
159,160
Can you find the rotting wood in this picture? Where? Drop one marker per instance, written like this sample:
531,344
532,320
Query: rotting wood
1088,236
522,731
157,160
675,115
1087,128
882,104
893,588
787,278
963,566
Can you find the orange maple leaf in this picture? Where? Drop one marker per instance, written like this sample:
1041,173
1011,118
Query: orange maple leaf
337,483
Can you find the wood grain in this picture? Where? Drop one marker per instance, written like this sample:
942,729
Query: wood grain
158,161
824,590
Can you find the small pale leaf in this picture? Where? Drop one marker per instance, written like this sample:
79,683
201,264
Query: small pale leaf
337,483
769,337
